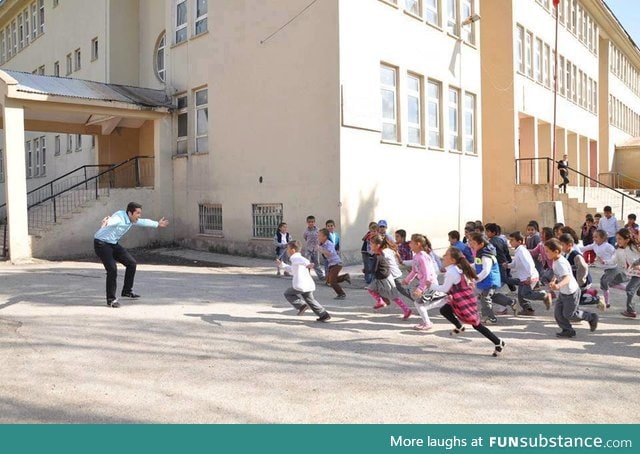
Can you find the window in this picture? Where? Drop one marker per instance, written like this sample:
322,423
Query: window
584,90
56,69
528,52
567,80
266,217
27,33
202,120
69,64
468,31
181,21
210,216
94,49
77,60
414,110
34,21
14,38
454,110
537,63
1,167
36,147
55,3
78,142
573,83
545,64
561,75
40,16
3,54
69,143
161,44
43,154
201,16
41,70
183,130
389,103
20,32
594,102
435,133
452,17
469,123
56,146
412,6
431,12
29,155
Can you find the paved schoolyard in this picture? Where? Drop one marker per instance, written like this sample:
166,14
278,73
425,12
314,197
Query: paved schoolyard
220,345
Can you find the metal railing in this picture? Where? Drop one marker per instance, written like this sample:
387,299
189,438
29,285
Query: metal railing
586,188
619,180
46,204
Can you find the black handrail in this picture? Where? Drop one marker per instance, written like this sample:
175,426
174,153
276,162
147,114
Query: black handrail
585,177
50,183
112,168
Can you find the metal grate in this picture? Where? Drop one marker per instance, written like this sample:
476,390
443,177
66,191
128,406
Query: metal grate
266,217
210,216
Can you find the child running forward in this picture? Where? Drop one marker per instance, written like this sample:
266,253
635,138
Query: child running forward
580,270
311,238
628,259
567,303
605,255
462,306
525,276
424,269
302,283
488,271
328,251
382,287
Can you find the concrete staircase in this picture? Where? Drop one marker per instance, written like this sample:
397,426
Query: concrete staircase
596,198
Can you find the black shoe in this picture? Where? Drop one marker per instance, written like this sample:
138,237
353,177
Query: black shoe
527,312
347,278
498,348
566,333
340,297
324,317
113,303
302,309
593,323
130,295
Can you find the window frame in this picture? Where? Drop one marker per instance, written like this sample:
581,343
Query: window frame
418,4
77,60
210,220
271,214
394,90
56,145
472,123
95,48
197,108
452,22
29,157
432,11
453,133
177,28
69,64
161,45
438,105
203,18
418,95
180,111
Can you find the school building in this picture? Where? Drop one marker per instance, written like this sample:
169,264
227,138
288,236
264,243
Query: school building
598,108
234,116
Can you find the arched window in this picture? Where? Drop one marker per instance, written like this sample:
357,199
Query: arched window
159,57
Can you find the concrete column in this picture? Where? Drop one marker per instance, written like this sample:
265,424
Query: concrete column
583,156
16,183
545,143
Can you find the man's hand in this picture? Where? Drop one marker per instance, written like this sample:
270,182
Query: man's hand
163,222
105,221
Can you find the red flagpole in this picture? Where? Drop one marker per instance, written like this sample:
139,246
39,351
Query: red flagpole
555,104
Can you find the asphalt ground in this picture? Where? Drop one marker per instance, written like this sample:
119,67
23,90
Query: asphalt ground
212,340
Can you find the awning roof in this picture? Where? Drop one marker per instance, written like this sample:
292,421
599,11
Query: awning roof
85,89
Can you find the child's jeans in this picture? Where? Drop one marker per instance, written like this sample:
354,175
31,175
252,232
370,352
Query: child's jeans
611,277
485,301
633,289
567,309
293,296
526,293
314,258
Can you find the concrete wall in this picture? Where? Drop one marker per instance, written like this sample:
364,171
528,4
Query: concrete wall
74,235
416,188
627,162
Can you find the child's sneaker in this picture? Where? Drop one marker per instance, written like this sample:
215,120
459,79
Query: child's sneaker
593,323
379,305
629,314
324,317
498,348
456,331
302,309
548,300
423,327
407,314
601,304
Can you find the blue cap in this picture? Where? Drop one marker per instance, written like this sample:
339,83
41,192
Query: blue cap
382,223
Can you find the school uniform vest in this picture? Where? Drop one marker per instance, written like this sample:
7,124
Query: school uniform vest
493,279
571,259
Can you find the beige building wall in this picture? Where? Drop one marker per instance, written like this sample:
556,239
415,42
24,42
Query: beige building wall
417,188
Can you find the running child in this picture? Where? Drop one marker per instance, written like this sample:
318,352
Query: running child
543,263
488,271
628,259
424,269
311,246
632,225
367,256
605,255
569,297
580,270
328,251
533,235
461,305
281,240
334,237
586,235
383,288
454,241
404,247
302,283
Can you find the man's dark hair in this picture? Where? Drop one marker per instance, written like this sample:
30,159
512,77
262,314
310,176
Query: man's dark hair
454,235
133,206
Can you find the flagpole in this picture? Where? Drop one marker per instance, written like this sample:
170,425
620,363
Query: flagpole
555,105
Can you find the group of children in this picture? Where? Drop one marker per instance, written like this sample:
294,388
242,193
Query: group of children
548,264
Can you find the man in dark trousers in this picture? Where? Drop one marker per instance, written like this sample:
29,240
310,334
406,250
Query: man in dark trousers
563,167
105,243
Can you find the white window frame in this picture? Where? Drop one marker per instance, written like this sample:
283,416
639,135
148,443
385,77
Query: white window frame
69,143
520,48
40,17
161,45
14,37
95,49
413,7
453,130
432,12
452,21
78,142
200,19
27,26
467,32
3,49
437,102
20,22
546,64
199,106
77,60
182,110
9,45
34,21
528,53
56,145
394,90
470,119
561,75
537,62
178,28
43,156
29,155
417,95
56,68
265,219
36,147
69,61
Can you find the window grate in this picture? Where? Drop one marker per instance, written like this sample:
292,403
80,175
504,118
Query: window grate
266,217
210,216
